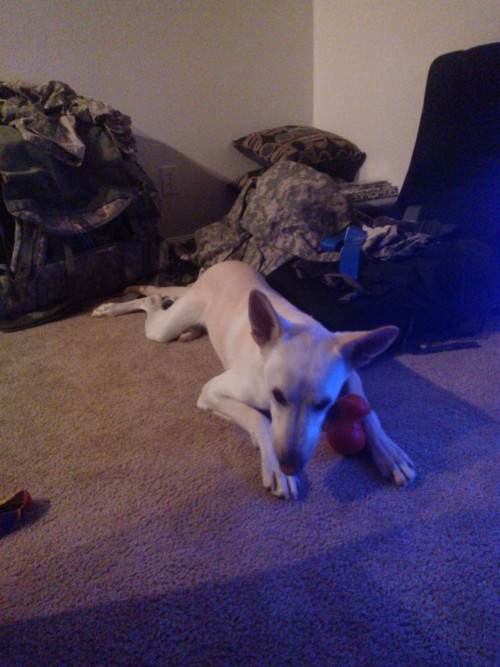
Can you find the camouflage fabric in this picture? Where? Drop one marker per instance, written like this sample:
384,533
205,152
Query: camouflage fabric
46,116
48,269
79,216
284,215
68,163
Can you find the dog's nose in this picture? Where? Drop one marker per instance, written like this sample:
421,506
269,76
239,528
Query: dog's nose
291,462
289,470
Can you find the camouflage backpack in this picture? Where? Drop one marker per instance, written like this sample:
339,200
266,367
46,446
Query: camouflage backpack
78,216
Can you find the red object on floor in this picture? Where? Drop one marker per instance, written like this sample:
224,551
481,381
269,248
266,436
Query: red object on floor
11,508
345,432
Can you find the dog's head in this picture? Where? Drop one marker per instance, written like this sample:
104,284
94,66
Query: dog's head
305,368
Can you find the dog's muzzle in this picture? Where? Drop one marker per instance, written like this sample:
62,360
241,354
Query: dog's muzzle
291,464
289,470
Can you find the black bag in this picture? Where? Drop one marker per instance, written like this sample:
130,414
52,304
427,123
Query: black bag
444,291
439,294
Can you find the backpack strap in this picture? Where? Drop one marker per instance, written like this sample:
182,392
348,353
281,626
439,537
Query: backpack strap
28,251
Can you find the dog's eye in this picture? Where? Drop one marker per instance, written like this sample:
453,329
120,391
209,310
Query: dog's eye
321,405
280,397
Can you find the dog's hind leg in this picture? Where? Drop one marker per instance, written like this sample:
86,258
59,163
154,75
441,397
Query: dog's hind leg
184,316
114,308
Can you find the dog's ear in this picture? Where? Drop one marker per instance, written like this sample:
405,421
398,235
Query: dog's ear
264,320
360,347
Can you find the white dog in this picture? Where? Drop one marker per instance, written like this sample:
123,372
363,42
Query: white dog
278,362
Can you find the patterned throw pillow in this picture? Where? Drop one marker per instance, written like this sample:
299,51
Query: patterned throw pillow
325,151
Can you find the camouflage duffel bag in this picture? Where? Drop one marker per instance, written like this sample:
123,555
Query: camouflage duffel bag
49,275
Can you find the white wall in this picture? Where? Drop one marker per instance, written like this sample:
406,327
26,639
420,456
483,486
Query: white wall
192,74
195,74
371,59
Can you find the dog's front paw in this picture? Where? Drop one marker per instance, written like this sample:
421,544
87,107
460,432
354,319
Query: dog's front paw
104,310
393,463
280,485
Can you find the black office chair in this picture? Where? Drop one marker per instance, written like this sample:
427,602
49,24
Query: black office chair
444,291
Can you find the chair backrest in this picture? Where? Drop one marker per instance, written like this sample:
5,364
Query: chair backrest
454,172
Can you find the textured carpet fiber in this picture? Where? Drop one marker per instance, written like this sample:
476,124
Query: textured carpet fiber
153,542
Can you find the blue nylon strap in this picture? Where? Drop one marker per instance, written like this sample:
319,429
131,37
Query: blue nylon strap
353,238
351,251
330,243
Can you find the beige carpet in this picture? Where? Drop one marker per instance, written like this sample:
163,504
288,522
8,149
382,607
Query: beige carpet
154,543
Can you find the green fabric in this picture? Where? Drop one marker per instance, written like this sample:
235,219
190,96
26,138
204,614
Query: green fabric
67,163
78,215
57,196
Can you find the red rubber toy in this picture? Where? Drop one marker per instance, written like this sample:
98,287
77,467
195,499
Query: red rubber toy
11,509
345,432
